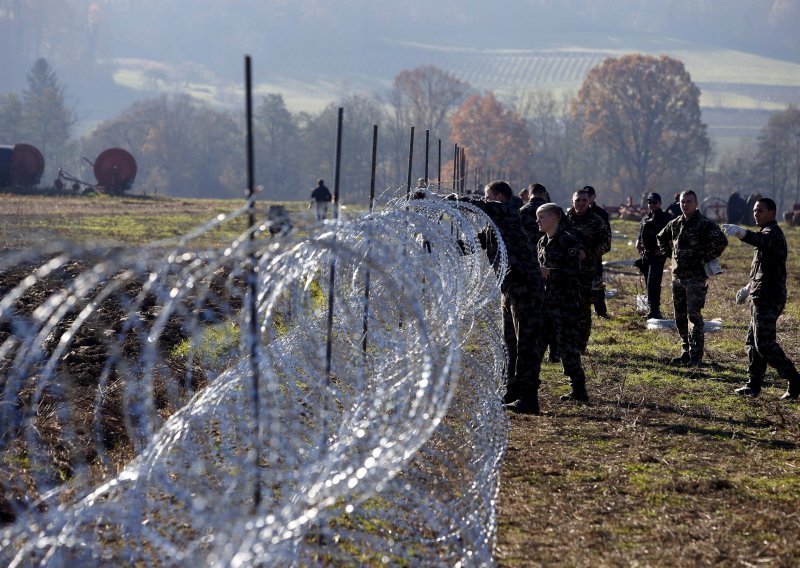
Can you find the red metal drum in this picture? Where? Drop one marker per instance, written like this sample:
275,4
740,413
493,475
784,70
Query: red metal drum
27,165
115,170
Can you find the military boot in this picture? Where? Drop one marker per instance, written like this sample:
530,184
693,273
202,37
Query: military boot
512,393
578,392
752,388
793,392
684,359
528,403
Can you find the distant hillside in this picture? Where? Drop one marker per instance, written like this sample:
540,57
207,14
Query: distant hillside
738,89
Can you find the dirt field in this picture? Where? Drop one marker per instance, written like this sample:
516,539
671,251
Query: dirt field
664,466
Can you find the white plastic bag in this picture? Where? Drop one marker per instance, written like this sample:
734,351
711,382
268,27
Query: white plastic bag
642,305
711,326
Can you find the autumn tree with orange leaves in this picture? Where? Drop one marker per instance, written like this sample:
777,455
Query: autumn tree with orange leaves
495,138
646,112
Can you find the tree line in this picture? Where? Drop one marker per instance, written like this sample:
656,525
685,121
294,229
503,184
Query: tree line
634,126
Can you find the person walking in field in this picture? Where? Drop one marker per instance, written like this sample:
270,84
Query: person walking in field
321,196
652,260
767,295
559,255
692,240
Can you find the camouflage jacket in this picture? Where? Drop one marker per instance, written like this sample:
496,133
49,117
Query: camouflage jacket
593,235
561,254
521,257
691,242
768,271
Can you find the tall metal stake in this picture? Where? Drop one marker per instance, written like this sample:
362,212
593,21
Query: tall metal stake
252,284
455,165
462,174
332,277
371,208
439,168
410,163
427,153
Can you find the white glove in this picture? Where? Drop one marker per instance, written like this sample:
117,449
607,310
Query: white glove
742,295
734,231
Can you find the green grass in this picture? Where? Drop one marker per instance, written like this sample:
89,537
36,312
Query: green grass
27,220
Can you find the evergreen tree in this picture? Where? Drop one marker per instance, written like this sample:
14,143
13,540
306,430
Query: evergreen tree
47,119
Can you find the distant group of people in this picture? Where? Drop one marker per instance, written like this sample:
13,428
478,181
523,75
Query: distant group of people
554,276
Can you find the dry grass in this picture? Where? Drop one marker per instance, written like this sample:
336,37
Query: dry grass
664,466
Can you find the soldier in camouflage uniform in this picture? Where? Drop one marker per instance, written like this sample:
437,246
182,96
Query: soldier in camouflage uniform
522,290
767,292
692,240
598,287
559,259
595,239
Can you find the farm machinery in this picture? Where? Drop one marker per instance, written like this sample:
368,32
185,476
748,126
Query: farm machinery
114,169
22,166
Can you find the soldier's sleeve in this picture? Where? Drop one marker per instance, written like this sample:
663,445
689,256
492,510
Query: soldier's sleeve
664,238
717,242
765,240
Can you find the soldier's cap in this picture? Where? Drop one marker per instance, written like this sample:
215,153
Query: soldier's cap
653,198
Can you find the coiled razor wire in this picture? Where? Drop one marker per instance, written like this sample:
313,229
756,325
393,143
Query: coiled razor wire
137,357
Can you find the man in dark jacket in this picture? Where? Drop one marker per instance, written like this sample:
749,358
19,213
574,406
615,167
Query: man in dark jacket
767,292
321,196
538,197
521,299
692,240
674,209
652,260
592,233
598,287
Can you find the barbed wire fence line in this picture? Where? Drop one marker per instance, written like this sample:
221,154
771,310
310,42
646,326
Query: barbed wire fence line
143,353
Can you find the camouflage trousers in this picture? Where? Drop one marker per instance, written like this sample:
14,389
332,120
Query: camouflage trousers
560,329
521,307
689,298
762,346
587,299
